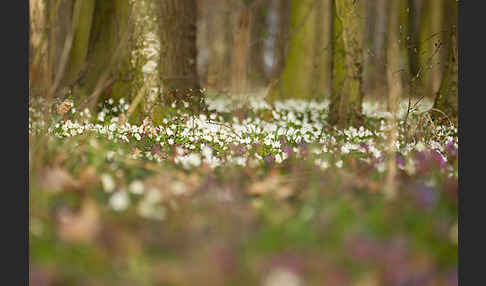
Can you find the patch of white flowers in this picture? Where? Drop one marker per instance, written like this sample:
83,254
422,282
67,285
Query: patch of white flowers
294,125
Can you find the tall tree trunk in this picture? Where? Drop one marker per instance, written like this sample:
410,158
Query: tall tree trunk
374,73
88,48
178,52
338,70
394,90
414,15
297,75
108,61
446,99
258,36
217,14
394,86
321,78
352,96
282,37
430,47
239,59
38,54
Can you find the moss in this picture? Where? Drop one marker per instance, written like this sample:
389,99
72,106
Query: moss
297,75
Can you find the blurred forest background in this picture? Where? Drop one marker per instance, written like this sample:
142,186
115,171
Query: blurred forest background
340,50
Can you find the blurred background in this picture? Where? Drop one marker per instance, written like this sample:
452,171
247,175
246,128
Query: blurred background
340,50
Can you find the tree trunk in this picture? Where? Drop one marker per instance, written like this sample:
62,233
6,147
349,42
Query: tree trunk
258,36
88,48
394,86
217,14
430,47
414,13
374,73
352,96
446,99
281,46
38,53
321,78
338,70
178,52
239,57
297,75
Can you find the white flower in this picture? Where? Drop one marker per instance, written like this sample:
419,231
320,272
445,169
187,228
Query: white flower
119,201
107,182
420,146
136,187
339,163
282,277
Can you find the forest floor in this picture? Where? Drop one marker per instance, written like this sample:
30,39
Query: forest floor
274,198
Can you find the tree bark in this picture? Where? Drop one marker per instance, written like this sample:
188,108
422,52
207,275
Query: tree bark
217,14
297,75
258,35
321,78
239,59
374,70
351,97
178,52
338,70
446,99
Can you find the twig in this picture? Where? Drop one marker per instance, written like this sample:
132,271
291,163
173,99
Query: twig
222,124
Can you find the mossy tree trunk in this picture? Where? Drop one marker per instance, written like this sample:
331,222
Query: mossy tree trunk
94,34
258,35
217,14
446,99
350,96
430,46
321,78
38,53
297,75
414,20
178,52
374,70
338,70
281,45
239,56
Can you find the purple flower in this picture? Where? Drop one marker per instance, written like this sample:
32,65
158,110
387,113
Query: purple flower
288,150
427,196
365,146
400,160
440,159
269,159
451,149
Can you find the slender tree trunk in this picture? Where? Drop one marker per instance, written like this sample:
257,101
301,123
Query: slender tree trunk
374,73
321,78
446,99
338,70
282,40
239,60
178,52
88,49
258,36
297,75
414,13
430,47
352,96
38,54
217,13
108,61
